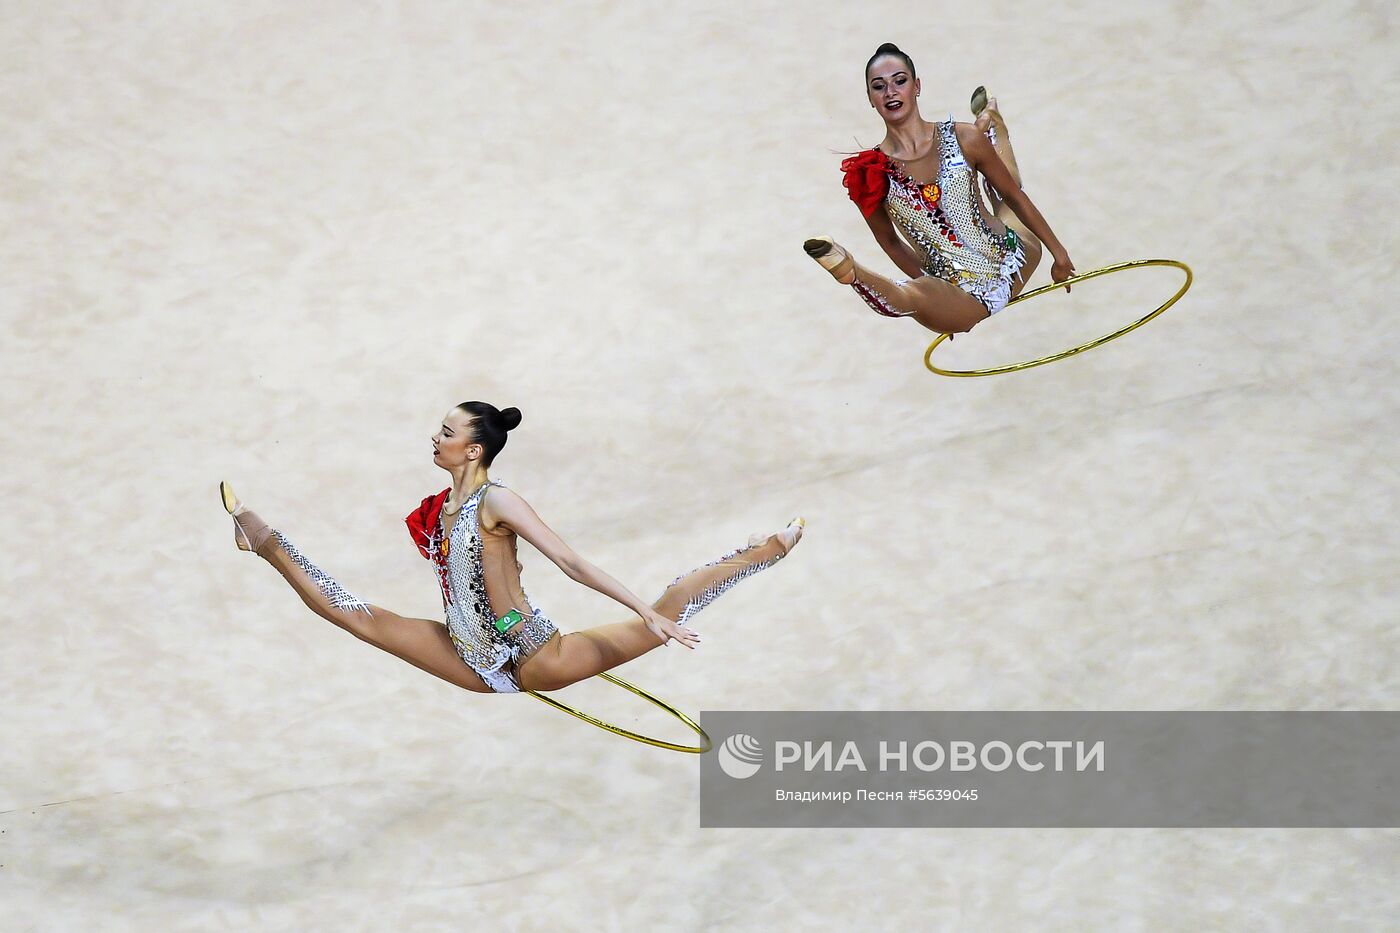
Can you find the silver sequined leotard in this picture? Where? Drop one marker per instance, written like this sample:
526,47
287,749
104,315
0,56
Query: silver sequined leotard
945,224
464,561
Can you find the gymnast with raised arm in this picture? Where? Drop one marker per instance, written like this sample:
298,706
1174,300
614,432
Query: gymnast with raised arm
918,193
495,639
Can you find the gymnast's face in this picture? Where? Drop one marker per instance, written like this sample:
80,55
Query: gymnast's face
452,444
893,92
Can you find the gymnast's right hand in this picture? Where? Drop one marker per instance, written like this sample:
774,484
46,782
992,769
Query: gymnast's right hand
664,629
1062,268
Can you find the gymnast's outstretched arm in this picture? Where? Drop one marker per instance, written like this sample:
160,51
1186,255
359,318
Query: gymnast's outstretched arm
982,157
506,507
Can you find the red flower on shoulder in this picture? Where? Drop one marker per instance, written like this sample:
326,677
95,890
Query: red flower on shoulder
867,179
422,522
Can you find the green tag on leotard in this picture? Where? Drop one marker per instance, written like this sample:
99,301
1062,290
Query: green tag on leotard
509,621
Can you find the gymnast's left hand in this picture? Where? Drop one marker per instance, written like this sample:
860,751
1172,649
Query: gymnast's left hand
1062,269
664,629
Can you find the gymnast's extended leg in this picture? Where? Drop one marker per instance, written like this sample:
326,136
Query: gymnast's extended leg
579,655
938,305
421,642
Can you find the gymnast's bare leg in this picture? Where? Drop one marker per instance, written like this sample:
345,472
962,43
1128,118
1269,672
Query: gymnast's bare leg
576,656
421,642
938,305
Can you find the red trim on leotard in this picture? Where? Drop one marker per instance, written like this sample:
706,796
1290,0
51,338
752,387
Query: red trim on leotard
867,179
423,522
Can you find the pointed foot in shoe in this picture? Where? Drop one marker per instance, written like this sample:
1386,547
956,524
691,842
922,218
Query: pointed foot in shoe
231,503
792,534
831,257
979,99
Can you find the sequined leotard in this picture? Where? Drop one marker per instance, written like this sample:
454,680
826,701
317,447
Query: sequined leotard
944,221
480,581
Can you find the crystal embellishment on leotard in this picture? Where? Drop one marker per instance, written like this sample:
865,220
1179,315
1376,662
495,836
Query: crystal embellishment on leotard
715,590
949,229
470,622
877,301
337,595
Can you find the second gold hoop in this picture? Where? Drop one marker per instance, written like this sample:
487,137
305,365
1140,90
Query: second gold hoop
1089,345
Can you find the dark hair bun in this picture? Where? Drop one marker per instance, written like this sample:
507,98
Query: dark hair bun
489,426
889,48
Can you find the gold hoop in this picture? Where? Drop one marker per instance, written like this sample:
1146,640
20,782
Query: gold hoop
1097,341
635,736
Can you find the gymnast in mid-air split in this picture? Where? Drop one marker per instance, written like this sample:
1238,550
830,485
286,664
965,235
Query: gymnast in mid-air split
963,263
495,639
